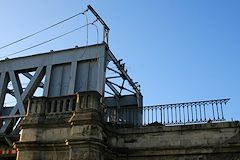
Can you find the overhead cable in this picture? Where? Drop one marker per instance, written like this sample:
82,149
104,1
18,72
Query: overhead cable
96,30
33,34
52,39
87,28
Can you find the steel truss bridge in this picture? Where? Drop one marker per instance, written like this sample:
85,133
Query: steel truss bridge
89,68
60,73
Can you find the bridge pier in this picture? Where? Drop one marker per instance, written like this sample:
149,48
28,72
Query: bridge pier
67,128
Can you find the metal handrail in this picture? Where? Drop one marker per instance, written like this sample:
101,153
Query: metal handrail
169,114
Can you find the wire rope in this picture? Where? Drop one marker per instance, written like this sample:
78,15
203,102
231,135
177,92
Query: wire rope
33,34
52,39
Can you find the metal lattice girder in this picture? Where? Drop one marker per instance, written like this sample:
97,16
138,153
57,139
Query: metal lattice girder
4,79
28,75
121,72
112,88
34,83
21,95
63,72
17,91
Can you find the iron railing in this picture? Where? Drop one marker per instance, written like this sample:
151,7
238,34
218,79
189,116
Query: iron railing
168,114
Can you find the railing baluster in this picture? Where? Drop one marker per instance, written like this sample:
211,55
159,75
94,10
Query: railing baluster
217,110
123,118
125,115
175,114
148,116
179,109
156,113
67,105
222,111
196,113
213,112
143,115
52,107
200,112
61,106
192,113
183,115
161,115
164,115
49,107
133,119
152,114
58,106
129,116
74,104
205,117
168,114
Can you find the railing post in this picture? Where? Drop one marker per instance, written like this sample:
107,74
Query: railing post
222,111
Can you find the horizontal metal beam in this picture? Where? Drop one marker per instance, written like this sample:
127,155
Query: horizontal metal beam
120,87
113,70
53,58
113,77
12,116
193,103
109,93
11,92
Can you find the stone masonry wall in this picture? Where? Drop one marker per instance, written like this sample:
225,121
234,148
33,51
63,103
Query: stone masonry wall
220,141
73,128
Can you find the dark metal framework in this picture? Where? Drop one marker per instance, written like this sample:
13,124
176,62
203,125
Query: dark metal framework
169,114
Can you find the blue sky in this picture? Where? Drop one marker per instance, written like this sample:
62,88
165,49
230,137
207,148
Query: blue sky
178,50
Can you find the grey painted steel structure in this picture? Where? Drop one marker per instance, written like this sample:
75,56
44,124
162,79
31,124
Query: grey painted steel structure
59,73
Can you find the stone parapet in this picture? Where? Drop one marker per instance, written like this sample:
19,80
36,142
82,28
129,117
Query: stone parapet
190,142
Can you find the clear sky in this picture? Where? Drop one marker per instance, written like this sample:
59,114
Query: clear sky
178,50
